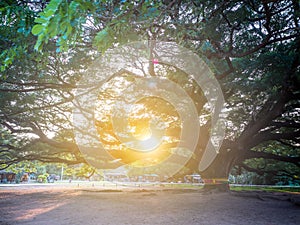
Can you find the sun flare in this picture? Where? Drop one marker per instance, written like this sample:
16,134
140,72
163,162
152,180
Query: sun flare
149,142
137,132
143,134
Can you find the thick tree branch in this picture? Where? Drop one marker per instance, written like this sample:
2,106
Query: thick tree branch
267,136
254,154
262,172
269,112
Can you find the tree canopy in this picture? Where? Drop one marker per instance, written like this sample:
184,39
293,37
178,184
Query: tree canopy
252,47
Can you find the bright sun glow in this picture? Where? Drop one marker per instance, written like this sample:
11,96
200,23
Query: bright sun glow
143,135
138,132
149,143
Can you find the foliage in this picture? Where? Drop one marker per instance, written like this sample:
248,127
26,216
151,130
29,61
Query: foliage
16,19
42,178
80,171
252,47
60,19
67,22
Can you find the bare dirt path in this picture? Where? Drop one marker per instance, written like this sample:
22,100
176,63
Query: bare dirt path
48,205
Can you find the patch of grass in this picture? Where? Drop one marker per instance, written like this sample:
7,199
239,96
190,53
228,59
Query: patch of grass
105,190
181,185
265,188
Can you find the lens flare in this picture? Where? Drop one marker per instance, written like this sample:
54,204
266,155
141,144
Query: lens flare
137,112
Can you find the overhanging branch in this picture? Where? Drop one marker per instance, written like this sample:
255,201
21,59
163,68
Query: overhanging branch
254,154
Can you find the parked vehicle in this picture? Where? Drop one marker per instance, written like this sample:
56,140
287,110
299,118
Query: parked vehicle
7,177
52,177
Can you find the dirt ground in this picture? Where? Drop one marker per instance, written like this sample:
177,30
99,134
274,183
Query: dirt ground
60,205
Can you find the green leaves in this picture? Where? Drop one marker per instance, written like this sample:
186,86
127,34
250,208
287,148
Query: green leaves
16,23
46,26
103,39
37,29
7,57
61,21
57,21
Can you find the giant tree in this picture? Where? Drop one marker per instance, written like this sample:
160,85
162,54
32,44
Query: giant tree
252,48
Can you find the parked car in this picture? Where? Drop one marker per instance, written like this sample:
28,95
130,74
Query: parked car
52,177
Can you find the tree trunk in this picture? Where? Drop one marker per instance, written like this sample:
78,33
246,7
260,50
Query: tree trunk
216,175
